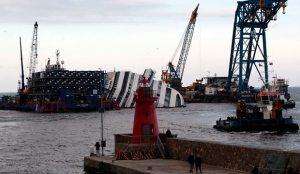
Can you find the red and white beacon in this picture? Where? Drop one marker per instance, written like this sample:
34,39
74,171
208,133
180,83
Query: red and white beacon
145,127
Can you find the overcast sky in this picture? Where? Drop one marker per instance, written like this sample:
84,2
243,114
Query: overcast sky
135,35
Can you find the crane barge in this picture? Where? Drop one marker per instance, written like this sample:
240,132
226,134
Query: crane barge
249,42
248,53
249,50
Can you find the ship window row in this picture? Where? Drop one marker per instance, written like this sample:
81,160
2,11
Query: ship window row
95,74
80,90
68,100
68,82
68,88
62,76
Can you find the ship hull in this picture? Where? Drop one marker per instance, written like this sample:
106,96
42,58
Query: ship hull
266,115
52,107
250,98
60,90
257,125
122,86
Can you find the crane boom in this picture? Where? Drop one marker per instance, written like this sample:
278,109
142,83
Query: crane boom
186,44
176,74
33,55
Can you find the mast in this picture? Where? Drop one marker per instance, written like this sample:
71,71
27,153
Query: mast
22,69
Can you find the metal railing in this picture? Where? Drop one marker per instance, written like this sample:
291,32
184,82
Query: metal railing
129,139
161,147
133,141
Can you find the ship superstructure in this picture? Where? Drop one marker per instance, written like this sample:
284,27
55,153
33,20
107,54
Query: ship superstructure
56,89
248,54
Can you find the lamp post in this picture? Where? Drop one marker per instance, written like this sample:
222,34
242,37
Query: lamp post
101,109
102,141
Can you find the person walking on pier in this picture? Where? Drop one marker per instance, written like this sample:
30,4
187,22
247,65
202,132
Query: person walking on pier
191,160
198,162
97,145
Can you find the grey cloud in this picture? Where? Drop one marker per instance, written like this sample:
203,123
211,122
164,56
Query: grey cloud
79,11
218,13
96,11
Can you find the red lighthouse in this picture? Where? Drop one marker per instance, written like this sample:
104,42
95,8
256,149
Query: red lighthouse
145,127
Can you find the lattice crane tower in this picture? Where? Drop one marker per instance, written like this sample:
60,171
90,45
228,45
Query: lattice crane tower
176,74
33,54
249,43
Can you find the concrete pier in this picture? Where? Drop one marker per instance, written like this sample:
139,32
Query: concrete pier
216,158
151,166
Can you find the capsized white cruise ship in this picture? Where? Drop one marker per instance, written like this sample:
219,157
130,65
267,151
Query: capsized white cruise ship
122,85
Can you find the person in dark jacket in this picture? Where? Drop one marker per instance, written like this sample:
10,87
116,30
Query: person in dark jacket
168,133
270,171
198,162
97,145
290,170
191,160
297,171
255,170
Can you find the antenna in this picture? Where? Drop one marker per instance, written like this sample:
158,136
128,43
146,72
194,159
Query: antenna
62,64
57,57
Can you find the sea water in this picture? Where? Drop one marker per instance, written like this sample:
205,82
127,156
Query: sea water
57,142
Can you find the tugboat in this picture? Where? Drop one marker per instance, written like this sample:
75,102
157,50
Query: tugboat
266,115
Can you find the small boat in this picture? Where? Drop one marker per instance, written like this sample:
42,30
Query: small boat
289,104
266,115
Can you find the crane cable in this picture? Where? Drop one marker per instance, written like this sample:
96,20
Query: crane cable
179,44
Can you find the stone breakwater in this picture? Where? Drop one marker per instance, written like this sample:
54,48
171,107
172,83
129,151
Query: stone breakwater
233,157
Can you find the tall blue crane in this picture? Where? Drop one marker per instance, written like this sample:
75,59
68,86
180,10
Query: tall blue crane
176,74
249,44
